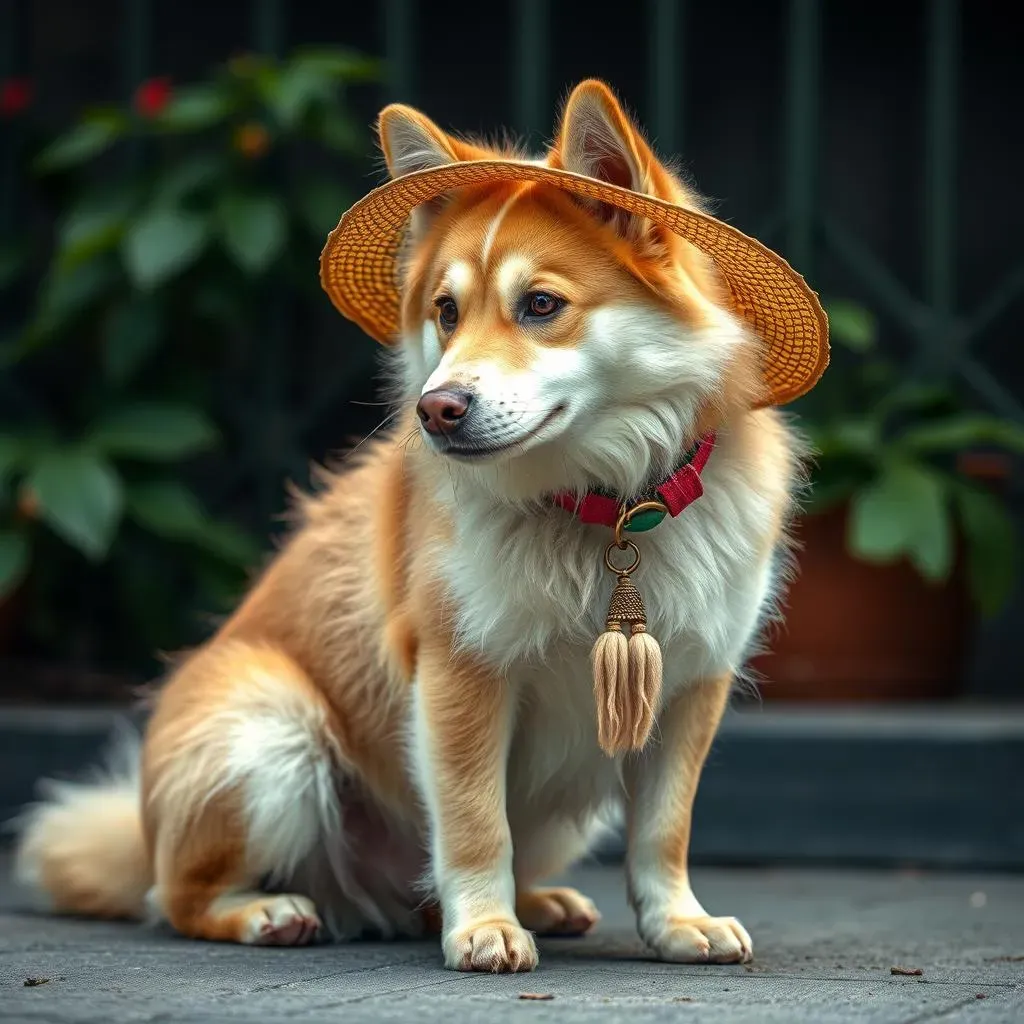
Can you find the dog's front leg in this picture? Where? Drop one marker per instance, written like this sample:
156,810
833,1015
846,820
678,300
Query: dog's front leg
462,727
662,783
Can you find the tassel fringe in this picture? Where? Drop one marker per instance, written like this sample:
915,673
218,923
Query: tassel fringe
627,687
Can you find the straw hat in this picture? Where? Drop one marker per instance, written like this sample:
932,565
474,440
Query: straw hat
358,266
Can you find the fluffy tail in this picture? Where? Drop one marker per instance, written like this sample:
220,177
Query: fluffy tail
82,847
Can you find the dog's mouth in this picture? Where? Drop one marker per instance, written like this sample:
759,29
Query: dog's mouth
473,453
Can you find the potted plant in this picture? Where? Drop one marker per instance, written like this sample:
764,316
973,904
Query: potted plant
184,223
903,541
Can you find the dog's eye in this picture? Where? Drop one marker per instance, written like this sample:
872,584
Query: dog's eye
541,304
447,311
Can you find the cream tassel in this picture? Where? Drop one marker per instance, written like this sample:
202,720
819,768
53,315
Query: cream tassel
627,673
610,658
645,672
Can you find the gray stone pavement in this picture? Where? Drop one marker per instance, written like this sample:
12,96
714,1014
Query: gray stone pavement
825,943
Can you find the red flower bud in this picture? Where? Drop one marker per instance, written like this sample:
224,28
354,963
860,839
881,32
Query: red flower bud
152,96
15,96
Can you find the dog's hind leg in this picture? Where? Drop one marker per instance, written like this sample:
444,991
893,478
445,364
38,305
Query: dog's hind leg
239,785
207,885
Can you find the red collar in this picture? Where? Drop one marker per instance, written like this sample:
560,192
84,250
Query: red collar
682,488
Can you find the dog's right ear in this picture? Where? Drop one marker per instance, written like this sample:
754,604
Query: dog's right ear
412,142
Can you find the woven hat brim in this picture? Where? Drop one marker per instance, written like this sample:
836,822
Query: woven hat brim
358,266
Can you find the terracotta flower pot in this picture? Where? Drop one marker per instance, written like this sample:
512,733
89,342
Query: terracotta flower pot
855,632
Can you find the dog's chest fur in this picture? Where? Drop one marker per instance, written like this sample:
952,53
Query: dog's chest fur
530,592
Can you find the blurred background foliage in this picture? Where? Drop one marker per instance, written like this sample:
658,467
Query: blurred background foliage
173,220
895,449
167,359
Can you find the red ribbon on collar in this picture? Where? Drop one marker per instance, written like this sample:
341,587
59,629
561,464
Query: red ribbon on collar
682,488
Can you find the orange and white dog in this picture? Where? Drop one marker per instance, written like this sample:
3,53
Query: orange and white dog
402,713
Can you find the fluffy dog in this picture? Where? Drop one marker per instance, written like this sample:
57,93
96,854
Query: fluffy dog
402,711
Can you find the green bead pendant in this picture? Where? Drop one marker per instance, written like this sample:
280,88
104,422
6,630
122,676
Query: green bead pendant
643,521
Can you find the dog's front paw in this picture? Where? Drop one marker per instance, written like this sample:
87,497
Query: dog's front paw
700,940
498,946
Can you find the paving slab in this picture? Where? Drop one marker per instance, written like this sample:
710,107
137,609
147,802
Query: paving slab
825,944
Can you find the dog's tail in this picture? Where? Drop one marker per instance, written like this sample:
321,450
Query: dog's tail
82,846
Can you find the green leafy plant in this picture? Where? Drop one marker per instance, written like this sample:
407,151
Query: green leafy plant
178,220
890,447
82,489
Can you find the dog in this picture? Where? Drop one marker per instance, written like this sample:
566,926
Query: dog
402,727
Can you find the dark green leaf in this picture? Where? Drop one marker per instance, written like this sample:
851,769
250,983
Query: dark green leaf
19,451
878,525
903,512
154,432
69,292
931,547
957,433
914,395
852,325
92,137
188,177
195,108
321,204
254,229
80,498
294,89
855,436
992,550
339,63
132,333
64,296
14,556
248,66
169,509
92,228
163,243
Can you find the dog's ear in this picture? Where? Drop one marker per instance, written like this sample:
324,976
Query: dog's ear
412,142
596,138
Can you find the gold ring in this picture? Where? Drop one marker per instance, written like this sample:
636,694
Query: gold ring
630,568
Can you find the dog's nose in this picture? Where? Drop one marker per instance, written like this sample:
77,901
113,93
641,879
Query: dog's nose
441,411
